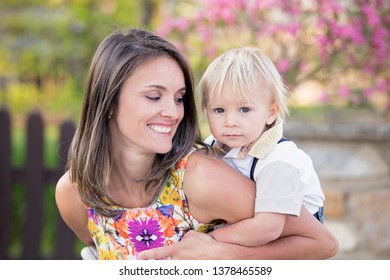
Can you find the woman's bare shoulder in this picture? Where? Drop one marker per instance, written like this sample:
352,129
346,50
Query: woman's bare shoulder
71,208
207,166
64,181
209,183
66,192
64,186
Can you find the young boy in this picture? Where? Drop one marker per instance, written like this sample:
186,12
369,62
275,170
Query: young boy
246,101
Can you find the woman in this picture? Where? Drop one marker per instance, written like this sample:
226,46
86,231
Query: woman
139,178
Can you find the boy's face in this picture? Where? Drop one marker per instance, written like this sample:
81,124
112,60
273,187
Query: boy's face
235,121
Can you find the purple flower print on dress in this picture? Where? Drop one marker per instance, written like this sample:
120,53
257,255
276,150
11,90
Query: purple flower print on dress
92,215
166,210
145,234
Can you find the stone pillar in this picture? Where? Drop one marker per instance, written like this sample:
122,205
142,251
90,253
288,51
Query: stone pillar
353,162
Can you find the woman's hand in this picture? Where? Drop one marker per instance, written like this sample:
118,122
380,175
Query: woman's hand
194,245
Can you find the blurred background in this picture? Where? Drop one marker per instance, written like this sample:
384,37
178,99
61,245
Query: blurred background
333,55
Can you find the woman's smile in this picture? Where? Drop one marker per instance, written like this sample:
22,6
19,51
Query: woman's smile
160,128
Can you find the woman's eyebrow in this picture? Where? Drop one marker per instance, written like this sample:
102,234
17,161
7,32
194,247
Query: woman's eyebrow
164,88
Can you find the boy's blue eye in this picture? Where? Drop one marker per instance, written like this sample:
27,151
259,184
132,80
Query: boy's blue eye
244,110
219,110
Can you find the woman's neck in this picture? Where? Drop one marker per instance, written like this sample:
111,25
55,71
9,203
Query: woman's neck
126,182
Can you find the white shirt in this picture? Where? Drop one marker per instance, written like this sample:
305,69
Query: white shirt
284,175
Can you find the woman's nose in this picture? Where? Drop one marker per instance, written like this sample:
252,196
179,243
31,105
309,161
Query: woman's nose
171,109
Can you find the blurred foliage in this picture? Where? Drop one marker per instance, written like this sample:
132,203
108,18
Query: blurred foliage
46,47
45,50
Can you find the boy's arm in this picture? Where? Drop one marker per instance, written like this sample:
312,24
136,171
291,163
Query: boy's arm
256,231
303,237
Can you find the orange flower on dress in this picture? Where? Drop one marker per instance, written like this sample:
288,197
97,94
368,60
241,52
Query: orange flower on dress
169,242
182,164
120,225
121,249
168,223
150,212
134,214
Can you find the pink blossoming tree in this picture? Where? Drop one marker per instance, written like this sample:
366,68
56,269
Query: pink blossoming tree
344,45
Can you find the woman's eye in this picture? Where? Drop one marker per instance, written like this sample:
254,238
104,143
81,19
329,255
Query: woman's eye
179,100
153,98
244,110
218,110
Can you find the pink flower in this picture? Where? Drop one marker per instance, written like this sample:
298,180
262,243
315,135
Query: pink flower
182,24
293,28
323,41
368,69
228,16
205,33
367,92
382,85
211,52
303,67
353,32
324,97
283,65
371,14
344,92
327,38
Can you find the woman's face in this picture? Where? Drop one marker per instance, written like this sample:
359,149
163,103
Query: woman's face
150,107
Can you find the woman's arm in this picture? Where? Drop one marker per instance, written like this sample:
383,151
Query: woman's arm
72,209
214,190
302,238
314,242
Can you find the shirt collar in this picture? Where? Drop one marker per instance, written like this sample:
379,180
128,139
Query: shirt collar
261,147
267,141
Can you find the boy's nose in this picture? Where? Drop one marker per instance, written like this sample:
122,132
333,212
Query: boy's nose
230,120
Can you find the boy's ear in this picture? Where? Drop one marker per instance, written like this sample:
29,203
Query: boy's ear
273,112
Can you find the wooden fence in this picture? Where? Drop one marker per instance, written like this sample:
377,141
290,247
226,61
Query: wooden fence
34,176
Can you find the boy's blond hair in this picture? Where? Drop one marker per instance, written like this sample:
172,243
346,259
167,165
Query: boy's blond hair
240,70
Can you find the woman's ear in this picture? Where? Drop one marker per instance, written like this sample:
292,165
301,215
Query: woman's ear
273,112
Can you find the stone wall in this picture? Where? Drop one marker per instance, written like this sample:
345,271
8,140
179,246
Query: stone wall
353,162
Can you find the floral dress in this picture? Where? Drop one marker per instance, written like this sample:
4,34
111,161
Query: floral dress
162,223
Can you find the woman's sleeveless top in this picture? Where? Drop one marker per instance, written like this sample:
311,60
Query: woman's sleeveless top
137,229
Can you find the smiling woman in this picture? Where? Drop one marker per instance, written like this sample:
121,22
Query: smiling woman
127,158
138,176
154,96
